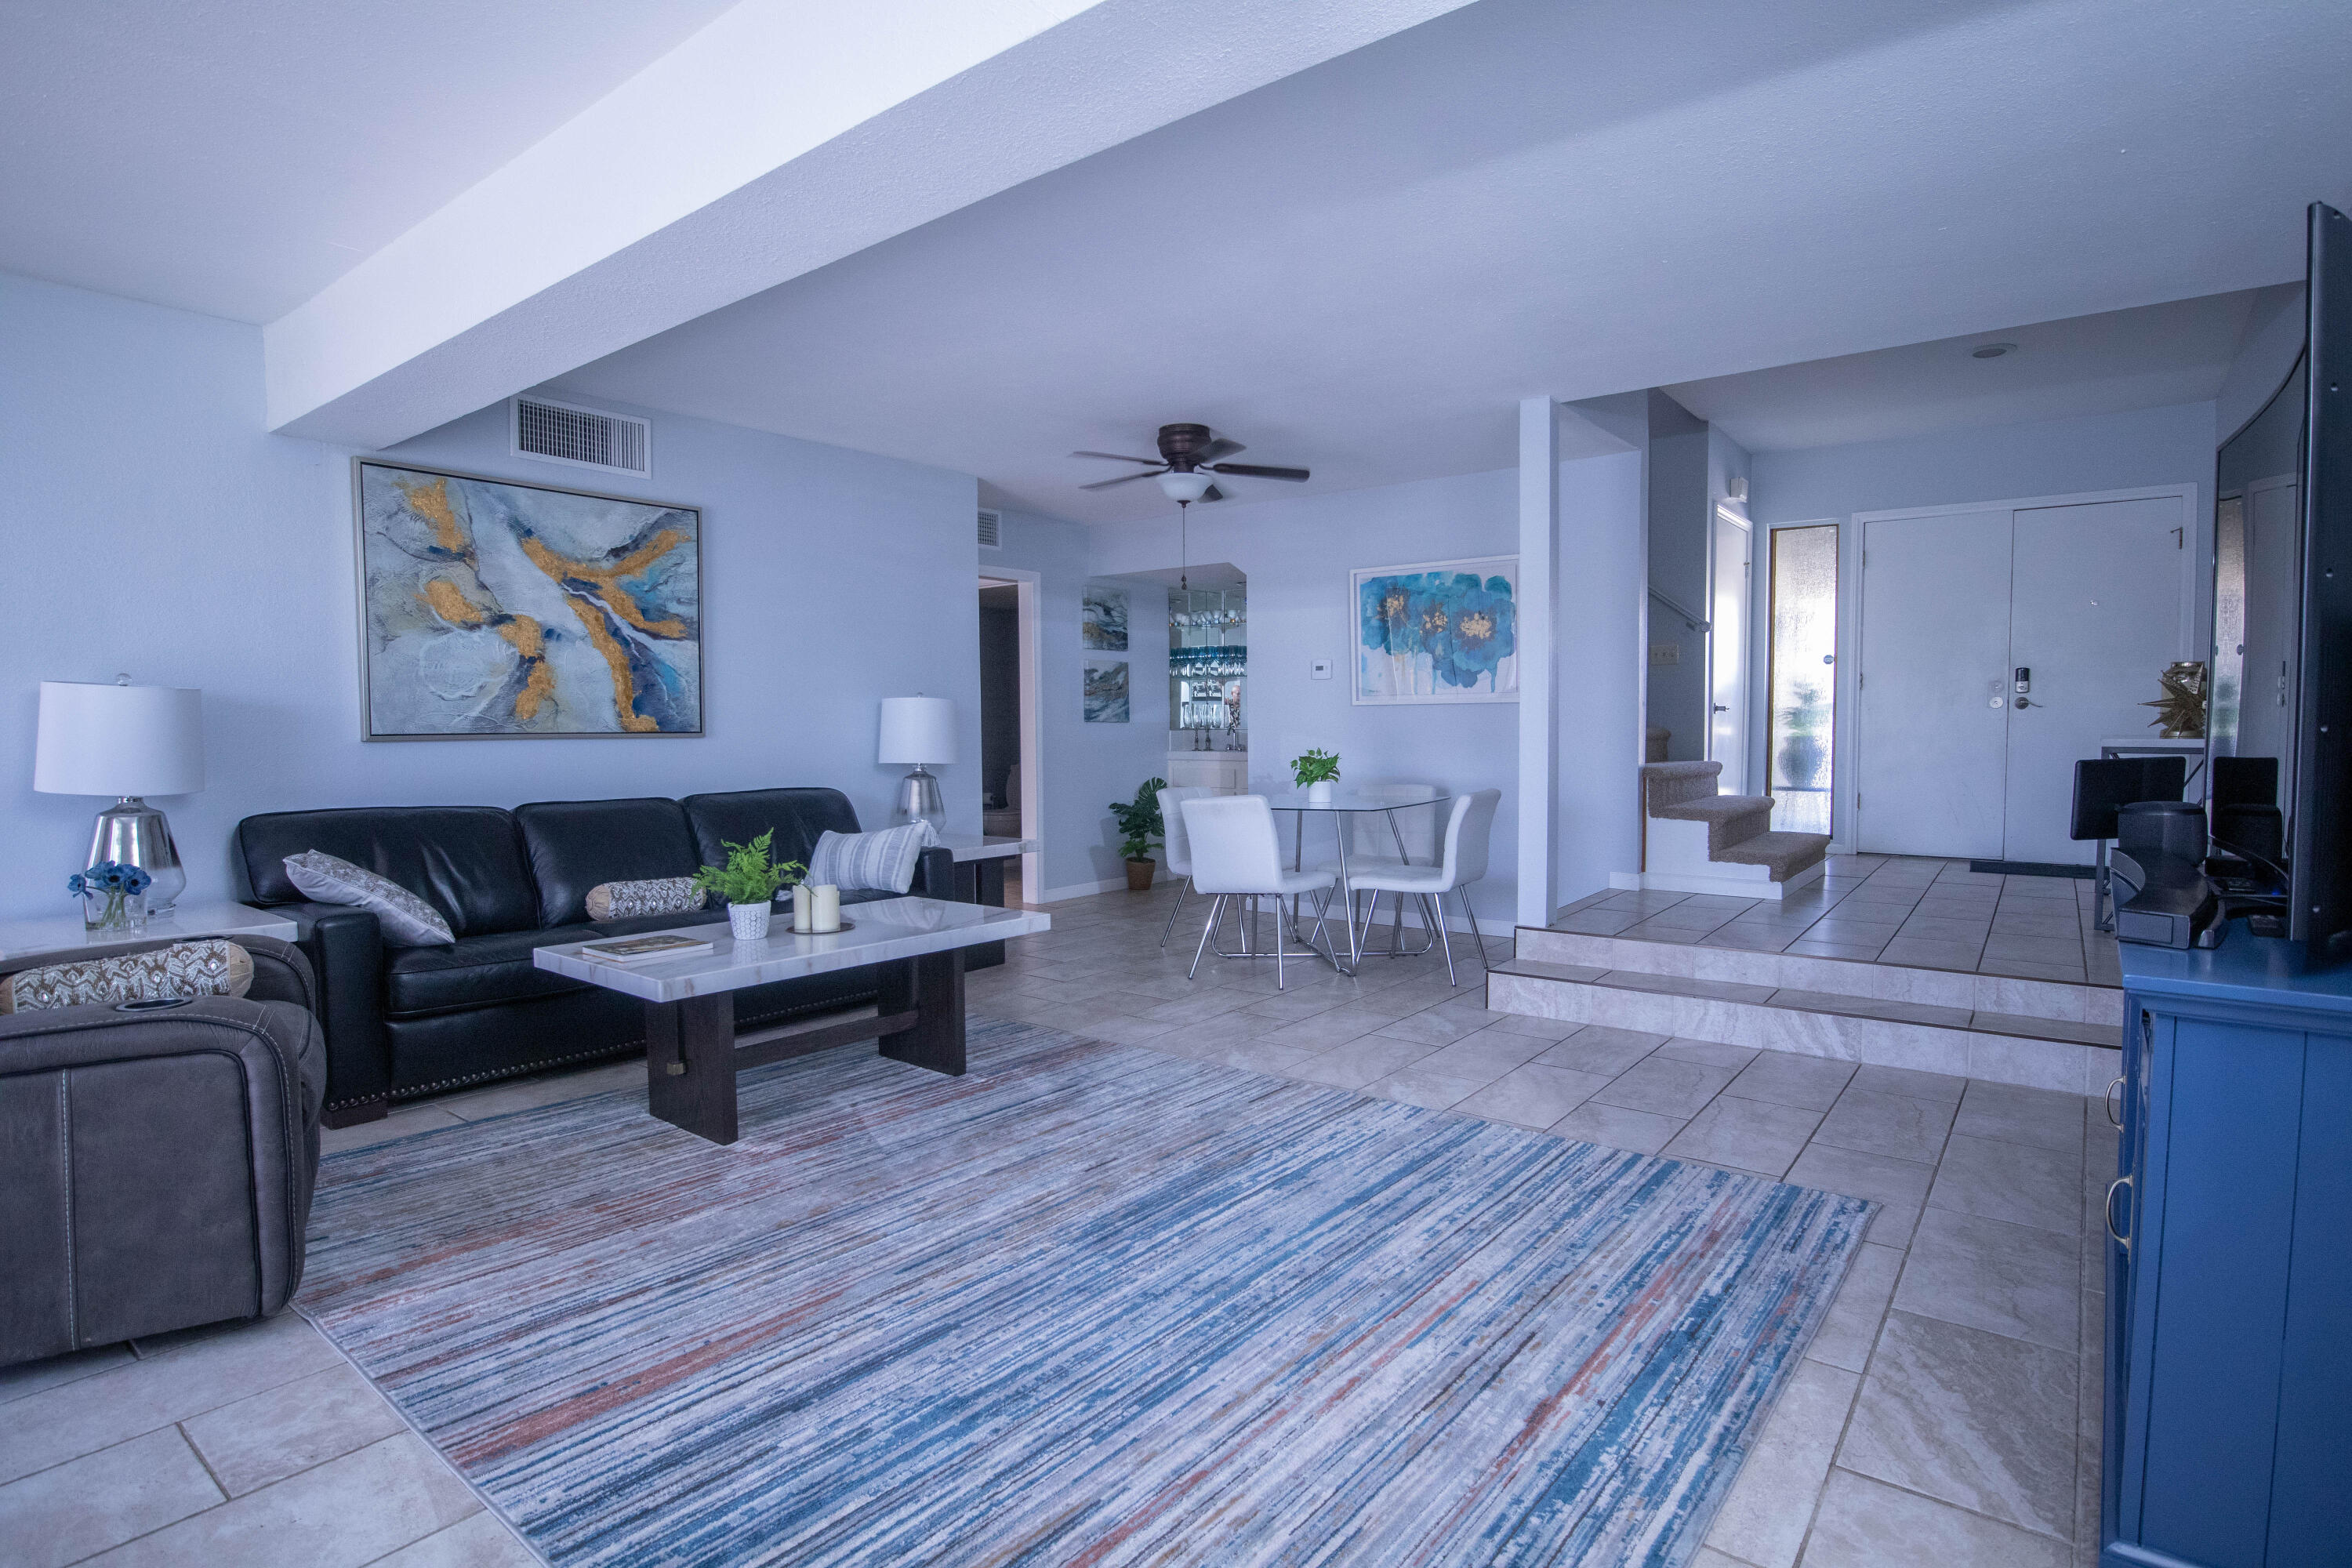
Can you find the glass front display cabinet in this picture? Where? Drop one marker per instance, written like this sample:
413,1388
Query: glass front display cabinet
1208,657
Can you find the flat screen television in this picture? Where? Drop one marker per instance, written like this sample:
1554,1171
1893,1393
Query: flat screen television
2282,684
2319,839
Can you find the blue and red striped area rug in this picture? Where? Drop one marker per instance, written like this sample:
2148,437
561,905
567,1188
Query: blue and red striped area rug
1090,1304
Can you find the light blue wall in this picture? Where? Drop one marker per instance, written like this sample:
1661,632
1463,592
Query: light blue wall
152,526
2056,457
1296,552
1084,767
1602,649
2274,341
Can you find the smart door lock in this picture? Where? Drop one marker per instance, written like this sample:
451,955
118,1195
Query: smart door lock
2024,680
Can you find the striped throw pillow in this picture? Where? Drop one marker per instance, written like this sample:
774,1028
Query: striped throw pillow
880,862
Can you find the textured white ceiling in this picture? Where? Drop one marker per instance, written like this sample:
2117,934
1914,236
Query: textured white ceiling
1361,268
235,156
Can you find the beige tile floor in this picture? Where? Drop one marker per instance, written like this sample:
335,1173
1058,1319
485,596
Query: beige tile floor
1908,910
1946,1415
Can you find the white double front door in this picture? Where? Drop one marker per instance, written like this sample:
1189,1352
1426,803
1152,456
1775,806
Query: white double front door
2087,602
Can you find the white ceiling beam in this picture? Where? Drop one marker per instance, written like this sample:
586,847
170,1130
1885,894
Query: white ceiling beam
786,135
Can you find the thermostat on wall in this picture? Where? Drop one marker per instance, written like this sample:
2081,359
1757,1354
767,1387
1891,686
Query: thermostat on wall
1322,670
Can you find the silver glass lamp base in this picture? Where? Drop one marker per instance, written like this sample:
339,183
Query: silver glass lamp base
132,833
919,801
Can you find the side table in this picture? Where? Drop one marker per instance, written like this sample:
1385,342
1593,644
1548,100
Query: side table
62,933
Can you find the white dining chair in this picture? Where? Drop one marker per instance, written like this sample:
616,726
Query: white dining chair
1385,838
1178,844
1235,855
1462,861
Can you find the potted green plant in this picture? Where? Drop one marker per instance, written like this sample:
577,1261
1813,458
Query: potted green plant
1140,826
1801,752
749,882
1314,773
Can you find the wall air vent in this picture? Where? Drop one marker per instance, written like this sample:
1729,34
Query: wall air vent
992,527
584,437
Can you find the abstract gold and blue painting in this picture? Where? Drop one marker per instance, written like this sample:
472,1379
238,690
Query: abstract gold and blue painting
1105,692
497,608
1102,620
1442,631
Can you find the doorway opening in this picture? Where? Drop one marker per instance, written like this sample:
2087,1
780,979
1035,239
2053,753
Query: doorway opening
1801,677
1009,766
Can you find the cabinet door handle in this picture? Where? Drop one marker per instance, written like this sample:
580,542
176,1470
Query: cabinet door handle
2107,1212
2115,1109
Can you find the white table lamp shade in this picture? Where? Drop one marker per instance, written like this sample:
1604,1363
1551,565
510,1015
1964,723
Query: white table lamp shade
118,740
919,730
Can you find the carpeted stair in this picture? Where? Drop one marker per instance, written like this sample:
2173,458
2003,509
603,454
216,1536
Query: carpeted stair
1738,826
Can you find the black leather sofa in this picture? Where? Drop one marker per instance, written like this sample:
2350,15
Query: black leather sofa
158,1164
403,1023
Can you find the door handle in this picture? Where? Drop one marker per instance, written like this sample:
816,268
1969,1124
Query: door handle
1719,708
2022,702
2107,1212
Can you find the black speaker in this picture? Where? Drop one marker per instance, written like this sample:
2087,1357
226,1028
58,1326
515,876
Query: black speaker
2169,827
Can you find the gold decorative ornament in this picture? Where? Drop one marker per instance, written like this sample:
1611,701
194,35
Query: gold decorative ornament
2181,708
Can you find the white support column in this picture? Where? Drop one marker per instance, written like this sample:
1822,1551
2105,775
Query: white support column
1538,658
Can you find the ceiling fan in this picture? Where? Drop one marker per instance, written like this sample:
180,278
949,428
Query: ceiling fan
1189,455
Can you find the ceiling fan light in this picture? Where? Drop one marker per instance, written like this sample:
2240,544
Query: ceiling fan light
1186,487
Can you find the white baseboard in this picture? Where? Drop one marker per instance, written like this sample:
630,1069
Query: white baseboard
1625,881
1085,889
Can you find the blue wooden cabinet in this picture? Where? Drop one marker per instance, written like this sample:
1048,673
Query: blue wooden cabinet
2228,1333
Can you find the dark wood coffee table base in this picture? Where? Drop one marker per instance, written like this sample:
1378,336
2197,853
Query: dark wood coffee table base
691,1057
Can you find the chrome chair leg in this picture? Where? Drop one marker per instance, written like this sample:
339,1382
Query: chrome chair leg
1207,926
1479,936
1443,938
1185,888
1277,944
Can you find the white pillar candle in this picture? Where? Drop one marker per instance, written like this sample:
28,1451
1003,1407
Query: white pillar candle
826,914
800,909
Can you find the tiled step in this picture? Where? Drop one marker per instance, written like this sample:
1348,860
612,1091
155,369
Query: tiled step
2057,1001
2001,1047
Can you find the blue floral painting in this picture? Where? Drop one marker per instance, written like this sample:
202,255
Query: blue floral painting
497,608
1443,631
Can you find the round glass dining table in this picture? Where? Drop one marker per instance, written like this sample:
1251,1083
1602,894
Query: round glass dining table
1342,805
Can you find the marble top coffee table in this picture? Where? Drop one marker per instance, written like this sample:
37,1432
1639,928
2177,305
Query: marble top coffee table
691,1057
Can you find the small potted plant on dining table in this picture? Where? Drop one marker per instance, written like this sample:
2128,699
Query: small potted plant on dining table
1140,826
1315,773
748,881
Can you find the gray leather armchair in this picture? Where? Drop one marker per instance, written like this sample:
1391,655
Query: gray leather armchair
158,1164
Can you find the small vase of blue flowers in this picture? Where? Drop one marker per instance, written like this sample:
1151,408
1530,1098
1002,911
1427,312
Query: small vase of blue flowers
113,897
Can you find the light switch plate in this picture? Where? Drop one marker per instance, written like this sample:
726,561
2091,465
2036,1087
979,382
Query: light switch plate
1665,653
1322,670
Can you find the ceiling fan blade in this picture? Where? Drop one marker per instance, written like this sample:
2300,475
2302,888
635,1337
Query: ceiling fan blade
1256,470
1213,493
1223,447
1123,478
1119,458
